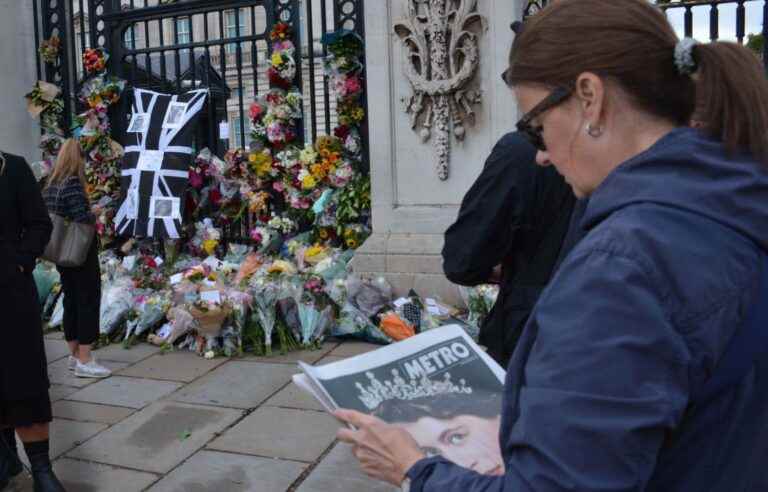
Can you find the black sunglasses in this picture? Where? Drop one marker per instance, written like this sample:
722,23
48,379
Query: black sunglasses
534,133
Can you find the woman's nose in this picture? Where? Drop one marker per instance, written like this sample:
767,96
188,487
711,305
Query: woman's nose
542,158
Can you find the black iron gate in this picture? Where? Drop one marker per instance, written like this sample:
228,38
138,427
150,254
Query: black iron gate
177,45
687,17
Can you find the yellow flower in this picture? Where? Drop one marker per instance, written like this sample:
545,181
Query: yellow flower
313,251
351,243
323,234
209,246
261,162
281,266
308,182
358,114
277,59
253,158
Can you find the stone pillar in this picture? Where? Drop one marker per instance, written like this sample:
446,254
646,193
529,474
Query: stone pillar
19,133
412,207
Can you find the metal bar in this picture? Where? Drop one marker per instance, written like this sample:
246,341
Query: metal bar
192,53
239,64
72,59
326,92
740,21
188,7
254,54
765,35
311,54
163,68
36,14
223,64
714,23
176,57
688,22
82,26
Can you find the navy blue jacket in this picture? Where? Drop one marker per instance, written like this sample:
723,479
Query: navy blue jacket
598,391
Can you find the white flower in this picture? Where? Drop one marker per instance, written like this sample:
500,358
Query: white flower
210,355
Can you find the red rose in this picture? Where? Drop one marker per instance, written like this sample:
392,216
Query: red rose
341,132
215,196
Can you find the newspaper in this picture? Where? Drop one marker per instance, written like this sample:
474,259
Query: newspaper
439,386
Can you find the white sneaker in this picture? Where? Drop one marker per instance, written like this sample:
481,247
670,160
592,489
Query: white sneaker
91,370
71,363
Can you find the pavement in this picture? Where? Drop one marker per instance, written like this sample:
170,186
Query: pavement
176,422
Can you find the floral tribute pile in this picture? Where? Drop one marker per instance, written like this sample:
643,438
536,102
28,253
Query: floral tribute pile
269,230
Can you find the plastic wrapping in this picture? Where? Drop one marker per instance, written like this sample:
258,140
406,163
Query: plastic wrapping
116,303
46,277
181,323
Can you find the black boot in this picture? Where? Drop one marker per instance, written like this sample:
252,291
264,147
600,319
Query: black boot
14,466
42,472
10,466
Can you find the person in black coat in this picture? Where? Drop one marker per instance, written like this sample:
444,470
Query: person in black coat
510,230
25,406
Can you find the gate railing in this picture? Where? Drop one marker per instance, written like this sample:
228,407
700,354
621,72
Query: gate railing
177,46
688,7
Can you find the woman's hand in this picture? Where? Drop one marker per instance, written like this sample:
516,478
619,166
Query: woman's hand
385,452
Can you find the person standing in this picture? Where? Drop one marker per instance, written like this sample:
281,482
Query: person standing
64,195
510,230
25,405
644,365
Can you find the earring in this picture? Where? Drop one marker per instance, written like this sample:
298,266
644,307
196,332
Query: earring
594,132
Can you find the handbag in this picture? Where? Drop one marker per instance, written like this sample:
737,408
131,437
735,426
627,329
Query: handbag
70,241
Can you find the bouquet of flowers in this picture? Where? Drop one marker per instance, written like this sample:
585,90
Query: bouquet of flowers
276,118
95,60
206,238
149,309
210,315
148,275
44,101
282,68
265,295
101,92
49,49
116,303
479,301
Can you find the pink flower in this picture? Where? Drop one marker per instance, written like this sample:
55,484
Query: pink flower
278,186
256,111
195,179
352,85
256,235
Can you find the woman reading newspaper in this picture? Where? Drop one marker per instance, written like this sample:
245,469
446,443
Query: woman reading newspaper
644,365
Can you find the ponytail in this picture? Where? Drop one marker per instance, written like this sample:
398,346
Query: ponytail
732,97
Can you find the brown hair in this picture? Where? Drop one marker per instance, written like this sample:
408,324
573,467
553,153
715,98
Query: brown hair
69,162
632,43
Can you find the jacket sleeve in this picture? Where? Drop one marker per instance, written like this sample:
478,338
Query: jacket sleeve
35,223
605,380
491,211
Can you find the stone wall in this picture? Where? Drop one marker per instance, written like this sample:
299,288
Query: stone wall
19,133
411,206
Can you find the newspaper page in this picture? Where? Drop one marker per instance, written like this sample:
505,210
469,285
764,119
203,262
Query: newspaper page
438,385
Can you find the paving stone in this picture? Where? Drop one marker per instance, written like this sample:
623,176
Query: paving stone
237,384
55,350
300,435
90,412
58,392
208,470
125,392
294,397
348,349
157,438
59,373
79,476
174,366
308,356
340,471
66,434
55,335
329,359
117,353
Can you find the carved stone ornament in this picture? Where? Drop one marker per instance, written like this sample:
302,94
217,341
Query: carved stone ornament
442,57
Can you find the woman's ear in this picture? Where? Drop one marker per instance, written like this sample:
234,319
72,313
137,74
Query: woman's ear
590,93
